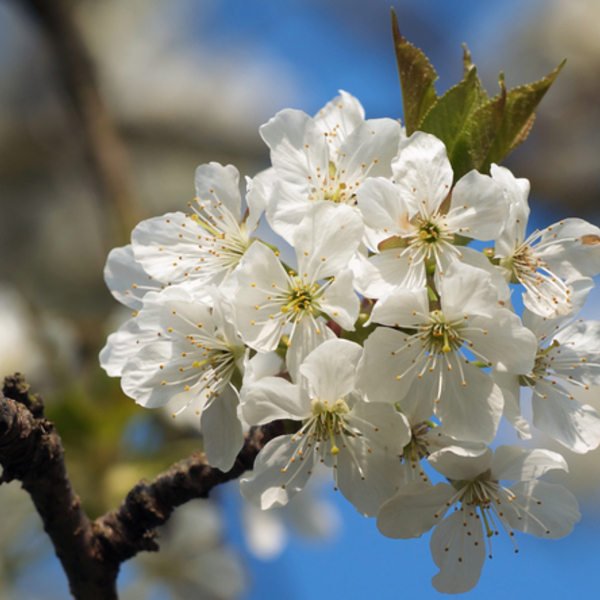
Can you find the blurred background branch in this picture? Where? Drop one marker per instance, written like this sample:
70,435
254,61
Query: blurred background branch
104,147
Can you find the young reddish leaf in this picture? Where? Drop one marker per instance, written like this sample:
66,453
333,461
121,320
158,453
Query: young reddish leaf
468,66
519,114
467,62
416,79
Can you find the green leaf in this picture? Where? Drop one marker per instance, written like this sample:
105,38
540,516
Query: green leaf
519,114
467,62
448,117
468,66
473,144
416,79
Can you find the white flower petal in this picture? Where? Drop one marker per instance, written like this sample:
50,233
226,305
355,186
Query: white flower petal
458,549
383,209
216,184
480,261
123,345
175,307
575,425
308,335
373,144
469,412
340,302
273,398
403,308
541,325
383,363
260,274
513,463
414,510
368,474
286,207
222,430
383,273
262,365
257,195
126,278
422,171
579,352
267,486
511,390
478,206
467,290
458,466
542,509
339,118
575,248
503,341
516,192
327,239
297,146
161,251
142,377
331,369
385,429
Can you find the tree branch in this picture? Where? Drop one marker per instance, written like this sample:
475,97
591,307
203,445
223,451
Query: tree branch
106,152
91,552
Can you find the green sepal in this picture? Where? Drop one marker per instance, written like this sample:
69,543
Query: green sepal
431,294
461,240
392,243
416,79
361,331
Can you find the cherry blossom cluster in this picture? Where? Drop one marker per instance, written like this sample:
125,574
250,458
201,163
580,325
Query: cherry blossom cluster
388,343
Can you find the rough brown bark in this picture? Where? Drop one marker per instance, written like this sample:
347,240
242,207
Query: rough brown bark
91,552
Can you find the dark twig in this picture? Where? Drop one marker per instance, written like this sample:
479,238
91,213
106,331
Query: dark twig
91,552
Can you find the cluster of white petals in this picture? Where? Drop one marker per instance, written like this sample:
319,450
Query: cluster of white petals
389,346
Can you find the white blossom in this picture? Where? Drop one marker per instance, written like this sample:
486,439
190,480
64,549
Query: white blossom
415,220
128,283
362,441
195,356
421,352
269,297
482,505
204,246
324,158
544,260
568,356
427,438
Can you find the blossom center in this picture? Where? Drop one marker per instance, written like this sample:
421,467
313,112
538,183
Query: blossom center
442,337
429,232
329,187
300,297
328,419
417,449
547,292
